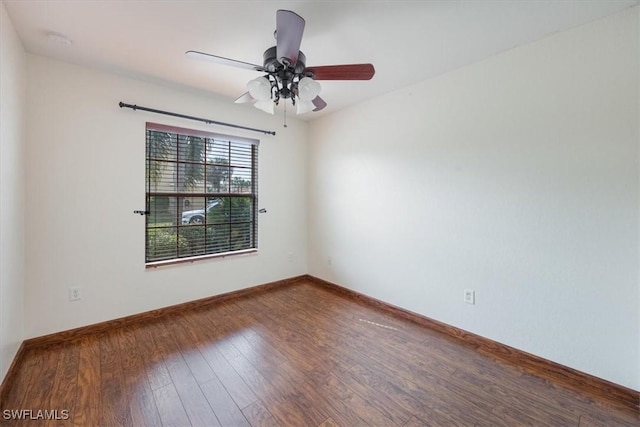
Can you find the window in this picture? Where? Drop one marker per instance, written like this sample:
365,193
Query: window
201,191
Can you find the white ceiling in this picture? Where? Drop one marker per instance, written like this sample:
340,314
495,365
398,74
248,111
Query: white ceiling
407,41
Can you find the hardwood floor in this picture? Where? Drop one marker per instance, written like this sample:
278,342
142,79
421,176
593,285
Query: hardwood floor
298,355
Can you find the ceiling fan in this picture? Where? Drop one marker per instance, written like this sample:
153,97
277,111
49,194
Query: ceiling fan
286,73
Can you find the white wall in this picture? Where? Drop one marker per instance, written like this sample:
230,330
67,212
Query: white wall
86,176
516,177
12,142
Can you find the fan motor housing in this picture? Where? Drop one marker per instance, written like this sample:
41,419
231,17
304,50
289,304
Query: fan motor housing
272,65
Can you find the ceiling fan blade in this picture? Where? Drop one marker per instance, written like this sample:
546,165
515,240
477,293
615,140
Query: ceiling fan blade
343,72
318,103
245,97
289,29
222,60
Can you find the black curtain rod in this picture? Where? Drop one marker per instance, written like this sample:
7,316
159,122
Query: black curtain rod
183,116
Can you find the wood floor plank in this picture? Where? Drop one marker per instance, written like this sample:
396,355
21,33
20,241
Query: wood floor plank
226,410
156,371
42,378
597,419
362,407
515,408
170,407
298,355
259,416
187,341
275,395
14,395
239,391
88,405
324,402
114,395
193,400
37,382
292,341
391,388
65,383
255,350
142,405
329,423
17,395
417,422
384,402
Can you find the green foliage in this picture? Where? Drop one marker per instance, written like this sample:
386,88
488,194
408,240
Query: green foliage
159,204
227,238
240,237
227,228
194,236
190,151
159,146
218,173
239,185
159,213
230,210
240,209
163,244
163,146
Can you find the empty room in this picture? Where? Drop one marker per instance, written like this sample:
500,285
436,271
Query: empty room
319,213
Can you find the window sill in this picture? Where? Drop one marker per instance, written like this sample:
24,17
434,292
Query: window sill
189,260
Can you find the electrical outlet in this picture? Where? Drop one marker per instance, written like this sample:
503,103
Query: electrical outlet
329,261
74,293
290,257
469,296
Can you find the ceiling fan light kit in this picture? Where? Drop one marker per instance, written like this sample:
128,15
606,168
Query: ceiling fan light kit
286,74
308,89
260,88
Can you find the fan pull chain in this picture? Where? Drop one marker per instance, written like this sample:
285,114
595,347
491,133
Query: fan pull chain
285,113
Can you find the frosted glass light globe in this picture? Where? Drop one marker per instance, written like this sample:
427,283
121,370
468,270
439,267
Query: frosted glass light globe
308,89
260,88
